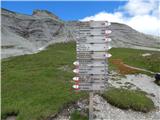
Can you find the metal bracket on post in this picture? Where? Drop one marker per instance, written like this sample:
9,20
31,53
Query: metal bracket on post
91,105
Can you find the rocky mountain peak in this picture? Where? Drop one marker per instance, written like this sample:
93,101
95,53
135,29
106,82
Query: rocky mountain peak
44,14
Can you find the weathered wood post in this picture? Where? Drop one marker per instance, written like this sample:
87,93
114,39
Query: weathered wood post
91,105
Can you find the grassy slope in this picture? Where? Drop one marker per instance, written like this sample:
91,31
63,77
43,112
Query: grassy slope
129,99
76,115
36,86
134,58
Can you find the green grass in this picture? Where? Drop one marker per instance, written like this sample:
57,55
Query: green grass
34,87
76,115
129,99
134,58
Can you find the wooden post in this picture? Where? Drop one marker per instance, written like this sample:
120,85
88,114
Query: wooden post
91,105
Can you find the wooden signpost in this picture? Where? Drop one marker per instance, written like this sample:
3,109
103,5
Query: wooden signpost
92,65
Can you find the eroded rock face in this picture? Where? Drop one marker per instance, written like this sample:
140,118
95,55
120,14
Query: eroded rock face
26,34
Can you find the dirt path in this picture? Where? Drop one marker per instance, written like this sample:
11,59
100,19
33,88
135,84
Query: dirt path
140,69
127,69
146,48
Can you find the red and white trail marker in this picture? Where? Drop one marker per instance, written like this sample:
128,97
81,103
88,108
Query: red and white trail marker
76,79
76,70
76,87
76,63
108,39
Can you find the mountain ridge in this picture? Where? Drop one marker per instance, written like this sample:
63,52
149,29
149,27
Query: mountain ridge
27,34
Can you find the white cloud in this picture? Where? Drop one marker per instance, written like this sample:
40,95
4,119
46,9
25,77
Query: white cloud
141,7
105,16
145,23
142,15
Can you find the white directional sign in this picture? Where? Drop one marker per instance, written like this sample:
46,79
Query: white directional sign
93,81
94,32
93,39
89,87
92,47
95,63
92,70
94,24
92,55
99,24
91,65
100,79
90,78
92,86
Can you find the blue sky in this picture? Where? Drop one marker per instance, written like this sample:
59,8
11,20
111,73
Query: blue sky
65,10
142,15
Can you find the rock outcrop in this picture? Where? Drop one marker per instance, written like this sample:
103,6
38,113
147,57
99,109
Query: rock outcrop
24,34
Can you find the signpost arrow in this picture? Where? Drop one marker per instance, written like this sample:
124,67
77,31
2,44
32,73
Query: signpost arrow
95,63
92,70
94,24
94,32
92,47
93,39
92,87
76,63
76,79
76,86
93,55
